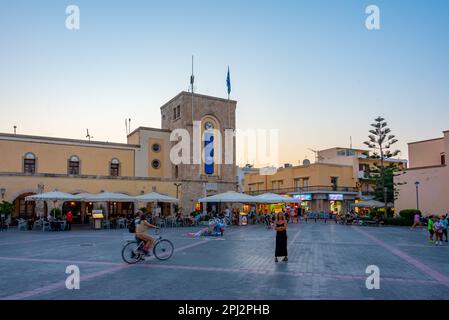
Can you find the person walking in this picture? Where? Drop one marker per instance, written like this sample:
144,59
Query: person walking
416,220
445,223
280,225
69,219
438,228
430,228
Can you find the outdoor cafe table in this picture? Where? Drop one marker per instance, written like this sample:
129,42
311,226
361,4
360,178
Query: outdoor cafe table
57,225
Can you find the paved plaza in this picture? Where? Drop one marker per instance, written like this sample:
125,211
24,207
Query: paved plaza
326,261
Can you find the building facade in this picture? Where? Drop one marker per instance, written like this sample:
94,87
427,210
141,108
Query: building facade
332,184
34,164
425,184
321,187
360,163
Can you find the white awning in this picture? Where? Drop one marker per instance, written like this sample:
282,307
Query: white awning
156,197
52,196
274,198
231,197
108,197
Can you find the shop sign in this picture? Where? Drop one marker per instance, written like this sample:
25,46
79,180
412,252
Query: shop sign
303,197
335,197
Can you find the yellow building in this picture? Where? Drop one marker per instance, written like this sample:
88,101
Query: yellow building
321,187
35,164
331,185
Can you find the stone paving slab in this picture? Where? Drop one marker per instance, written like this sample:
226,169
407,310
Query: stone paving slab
326,261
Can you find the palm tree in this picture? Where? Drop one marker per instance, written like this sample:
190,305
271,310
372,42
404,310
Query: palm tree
381,139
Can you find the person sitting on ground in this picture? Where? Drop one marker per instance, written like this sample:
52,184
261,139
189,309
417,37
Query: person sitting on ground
142,225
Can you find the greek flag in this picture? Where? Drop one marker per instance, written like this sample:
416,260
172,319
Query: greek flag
228,82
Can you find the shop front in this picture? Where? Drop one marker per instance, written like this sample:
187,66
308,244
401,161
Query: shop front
336,203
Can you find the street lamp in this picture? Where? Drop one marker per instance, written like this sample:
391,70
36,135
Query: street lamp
417,195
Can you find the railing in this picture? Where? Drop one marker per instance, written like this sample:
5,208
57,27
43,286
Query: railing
303,190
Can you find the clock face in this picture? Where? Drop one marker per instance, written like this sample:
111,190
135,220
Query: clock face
208,126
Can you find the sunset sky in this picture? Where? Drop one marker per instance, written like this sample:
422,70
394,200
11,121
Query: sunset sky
308,68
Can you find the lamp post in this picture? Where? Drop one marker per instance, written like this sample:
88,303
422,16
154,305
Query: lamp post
417,194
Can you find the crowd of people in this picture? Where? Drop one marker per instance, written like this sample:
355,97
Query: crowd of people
437,228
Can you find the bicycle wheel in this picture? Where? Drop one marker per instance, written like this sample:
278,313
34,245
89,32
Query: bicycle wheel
131,253
163,250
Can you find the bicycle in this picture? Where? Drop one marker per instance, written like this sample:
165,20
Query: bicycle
133,252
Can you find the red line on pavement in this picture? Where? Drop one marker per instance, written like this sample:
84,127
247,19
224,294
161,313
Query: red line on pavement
442,279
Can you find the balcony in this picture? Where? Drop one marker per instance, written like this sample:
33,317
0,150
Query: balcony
304,190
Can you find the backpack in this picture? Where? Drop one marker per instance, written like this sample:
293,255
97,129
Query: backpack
132,226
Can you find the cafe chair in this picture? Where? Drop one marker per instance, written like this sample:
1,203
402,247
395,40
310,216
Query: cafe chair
46,226
37,225
22,225
106,224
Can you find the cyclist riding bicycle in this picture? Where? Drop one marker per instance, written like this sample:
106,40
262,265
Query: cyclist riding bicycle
142,225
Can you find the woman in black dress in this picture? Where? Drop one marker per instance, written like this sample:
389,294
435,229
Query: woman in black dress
280,225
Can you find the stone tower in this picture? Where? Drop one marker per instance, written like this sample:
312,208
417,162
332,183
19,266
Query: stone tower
208,113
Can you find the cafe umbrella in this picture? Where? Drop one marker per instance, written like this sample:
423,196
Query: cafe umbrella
54,196
274,198
229,197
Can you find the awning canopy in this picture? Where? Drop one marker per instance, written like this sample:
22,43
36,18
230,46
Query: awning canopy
274,198
231,197
371,204
107,197
156,197
52,196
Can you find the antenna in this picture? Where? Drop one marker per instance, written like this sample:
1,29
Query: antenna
126,127
15,128
88,135
129,125
350,142
316,154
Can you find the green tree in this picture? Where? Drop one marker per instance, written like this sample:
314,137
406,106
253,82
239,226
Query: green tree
381,176
6,208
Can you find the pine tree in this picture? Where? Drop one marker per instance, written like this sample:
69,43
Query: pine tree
381,176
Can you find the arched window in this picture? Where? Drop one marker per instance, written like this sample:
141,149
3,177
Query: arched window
115,168
74,165
29,163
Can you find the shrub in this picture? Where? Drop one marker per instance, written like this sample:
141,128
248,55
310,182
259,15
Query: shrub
408,214
6,208
399,221
143,209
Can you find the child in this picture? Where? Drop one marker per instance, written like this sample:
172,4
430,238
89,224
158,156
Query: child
438,227
430,228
